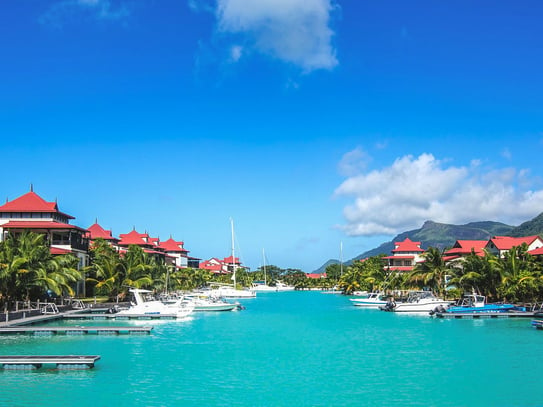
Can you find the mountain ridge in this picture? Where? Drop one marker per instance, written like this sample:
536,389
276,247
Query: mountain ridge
443,235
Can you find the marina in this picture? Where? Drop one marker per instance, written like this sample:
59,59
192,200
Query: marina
284,349
74,330
59,361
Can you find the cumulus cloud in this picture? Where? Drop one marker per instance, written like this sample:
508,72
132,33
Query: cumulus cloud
293,31
415,189
63,11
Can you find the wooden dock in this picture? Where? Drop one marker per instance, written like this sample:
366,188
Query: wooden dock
36,362
481,315
75,330
96,316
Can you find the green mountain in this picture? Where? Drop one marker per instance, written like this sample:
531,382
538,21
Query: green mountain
442,235
530,228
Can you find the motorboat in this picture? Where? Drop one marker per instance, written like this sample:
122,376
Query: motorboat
284,287
417,301
474,303
262,286
145,305
206,303
228,291
373,300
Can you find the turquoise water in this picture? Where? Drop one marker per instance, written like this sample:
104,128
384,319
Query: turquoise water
290,349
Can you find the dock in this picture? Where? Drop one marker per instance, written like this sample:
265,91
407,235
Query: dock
75,330
96,316
481,315
36,362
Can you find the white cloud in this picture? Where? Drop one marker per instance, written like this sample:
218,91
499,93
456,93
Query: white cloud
413,190
293,31
63,11
353,162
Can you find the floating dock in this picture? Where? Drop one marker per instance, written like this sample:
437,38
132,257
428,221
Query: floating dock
75,330
475,315
36,362
96,316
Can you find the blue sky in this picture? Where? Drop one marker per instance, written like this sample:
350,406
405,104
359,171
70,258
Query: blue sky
309,122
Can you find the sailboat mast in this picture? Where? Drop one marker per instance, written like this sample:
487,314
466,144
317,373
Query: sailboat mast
233,252
264,262
340,259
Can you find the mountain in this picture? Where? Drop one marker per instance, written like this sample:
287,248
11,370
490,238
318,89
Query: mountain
442,235
530,228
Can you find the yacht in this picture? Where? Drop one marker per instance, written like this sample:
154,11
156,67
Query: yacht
417,301
228,291
373,300
143,305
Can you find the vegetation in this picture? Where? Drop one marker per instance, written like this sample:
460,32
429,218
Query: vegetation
29,272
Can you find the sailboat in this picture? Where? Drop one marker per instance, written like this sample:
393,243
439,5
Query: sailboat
228,290
263,285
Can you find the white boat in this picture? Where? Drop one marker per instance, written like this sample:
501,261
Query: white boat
263,285
417,301
205,303
373,300
280,286
228,291
146,306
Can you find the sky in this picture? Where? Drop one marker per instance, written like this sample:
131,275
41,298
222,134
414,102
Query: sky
322,128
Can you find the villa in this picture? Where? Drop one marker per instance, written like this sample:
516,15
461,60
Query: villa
405,256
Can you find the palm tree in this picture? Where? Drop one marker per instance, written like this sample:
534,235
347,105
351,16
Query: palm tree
431,273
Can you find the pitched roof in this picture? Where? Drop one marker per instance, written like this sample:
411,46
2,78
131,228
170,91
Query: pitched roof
38,224
97,231
171,245
466,246
316,275
507,242
134,238
536,252
58,250
228,260
31,202
407,246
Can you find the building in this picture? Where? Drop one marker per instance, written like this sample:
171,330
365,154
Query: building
176,251
405,256
463,248
499,245
95,231
32,212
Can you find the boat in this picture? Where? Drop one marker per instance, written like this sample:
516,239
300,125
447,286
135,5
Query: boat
537,323
149,306
280,286
417,301
474,303
373,300
228,291
204,303
263,285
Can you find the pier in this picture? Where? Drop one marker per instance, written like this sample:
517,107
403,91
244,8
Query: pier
36,362
75,330
475,315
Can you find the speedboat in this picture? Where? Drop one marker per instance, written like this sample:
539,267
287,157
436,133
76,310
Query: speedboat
262,286
205,303
143,305
373,300
473,303
417,301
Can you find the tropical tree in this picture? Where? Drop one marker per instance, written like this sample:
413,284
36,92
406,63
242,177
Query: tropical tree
431,272
106,270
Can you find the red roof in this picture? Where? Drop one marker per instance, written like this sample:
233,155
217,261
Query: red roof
228,260
58,250
400,268
507,243
466,246
400,257
171,245
38,224
407,246
316,275
211,265
536,252
97,231
31,202
134,238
